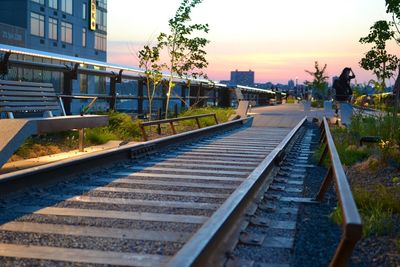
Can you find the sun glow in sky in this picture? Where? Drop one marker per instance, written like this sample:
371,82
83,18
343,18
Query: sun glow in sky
278,40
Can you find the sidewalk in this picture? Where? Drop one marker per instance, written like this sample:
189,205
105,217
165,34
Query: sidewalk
285,115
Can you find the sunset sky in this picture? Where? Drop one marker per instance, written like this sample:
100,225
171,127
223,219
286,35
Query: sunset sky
278,40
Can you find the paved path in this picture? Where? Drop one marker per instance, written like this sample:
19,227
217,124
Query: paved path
286,115
281,116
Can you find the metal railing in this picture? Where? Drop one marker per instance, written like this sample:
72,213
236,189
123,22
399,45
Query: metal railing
70,67
352,225
171,122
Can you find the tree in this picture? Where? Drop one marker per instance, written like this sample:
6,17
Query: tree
149,60
393,6
186,56
378,59
319,83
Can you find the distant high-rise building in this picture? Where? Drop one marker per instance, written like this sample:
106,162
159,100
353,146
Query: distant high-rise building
245,78
68,27
291,84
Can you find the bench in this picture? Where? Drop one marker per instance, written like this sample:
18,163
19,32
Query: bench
26,109
171,122
241,110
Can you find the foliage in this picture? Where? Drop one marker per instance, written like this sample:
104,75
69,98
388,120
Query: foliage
149,60
120,127
184,46
290,100
378,60
222,115
393,6
376,208
319,83
317,103
97,136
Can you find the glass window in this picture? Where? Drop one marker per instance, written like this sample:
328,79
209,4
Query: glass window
53,28
102,3
37,24
53,4
66,6
84,11
66,32
101,18
39,1
83,37
83,83
100,41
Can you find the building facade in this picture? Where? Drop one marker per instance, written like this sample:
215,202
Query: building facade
68,27
245,78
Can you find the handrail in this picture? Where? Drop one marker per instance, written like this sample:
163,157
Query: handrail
171,122
352,225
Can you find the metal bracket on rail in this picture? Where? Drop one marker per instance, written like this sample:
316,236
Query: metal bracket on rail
4,63
72,72
116,78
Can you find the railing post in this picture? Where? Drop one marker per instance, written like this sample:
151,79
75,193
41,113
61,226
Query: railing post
140,97
113,89
143,132
183,96
346,246
325,184
71,74
81,140
215,117
176,110
321,160
224,98
113,94
198,123
172,127
159,118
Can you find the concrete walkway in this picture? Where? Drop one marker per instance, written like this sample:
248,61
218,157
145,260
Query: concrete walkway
286,116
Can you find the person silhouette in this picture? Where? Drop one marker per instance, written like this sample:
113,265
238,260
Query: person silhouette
344,94
342,85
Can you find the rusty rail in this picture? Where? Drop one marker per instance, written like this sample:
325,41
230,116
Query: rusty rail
352,225
171,122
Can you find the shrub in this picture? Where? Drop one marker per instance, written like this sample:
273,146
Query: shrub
376,208
221,113
120,127
290,100
98,136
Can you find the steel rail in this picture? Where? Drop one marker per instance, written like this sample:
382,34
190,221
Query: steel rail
204,248
352,225
57,170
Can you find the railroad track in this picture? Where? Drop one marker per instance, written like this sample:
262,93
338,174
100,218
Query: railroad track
141,212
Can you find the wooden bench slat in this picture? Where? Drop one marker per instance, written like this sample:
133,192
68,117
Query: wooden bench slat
18,83
30,93
19,88
29,104
41,108
21,98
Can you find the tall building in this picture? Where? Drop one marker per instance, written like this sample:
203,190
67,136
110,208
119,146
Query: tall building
245,78
68,27
291,84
